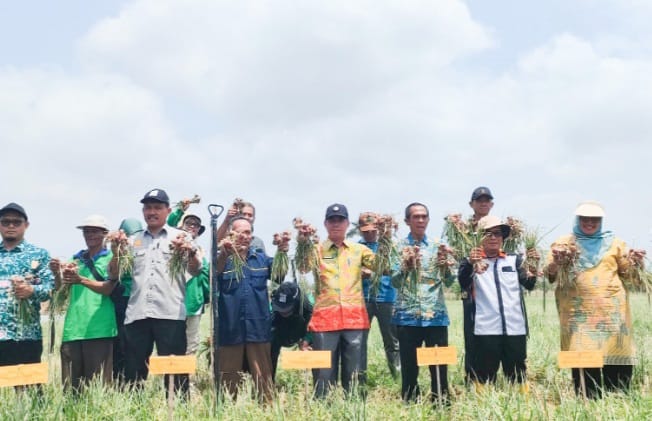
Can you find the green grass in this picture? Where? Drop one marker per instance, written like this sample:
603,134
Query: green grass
551,395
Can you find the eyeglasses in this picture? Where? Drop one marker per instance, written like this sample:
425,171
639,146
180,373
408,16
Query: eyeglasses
192,224
497,234
5,222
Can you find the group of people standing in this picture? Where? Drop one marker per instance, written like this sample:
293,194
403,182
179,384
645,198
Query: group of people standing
119,308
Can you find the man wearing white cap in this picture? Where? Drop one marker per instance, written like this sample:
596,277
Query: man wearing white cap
500,329
90,324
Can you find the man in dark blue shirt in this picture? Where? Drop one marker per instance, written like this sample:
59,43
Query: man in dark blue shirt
244,313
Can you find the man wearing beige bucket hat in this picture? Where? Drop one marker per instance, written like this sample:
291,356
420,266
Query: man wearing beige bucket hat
593,272
500,321
90,323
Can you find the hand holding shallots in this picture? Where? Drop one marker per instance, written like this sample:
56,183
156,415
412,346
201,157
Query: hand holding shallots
306,256
563,267
445,260
121,251
235,246
182,249
476,258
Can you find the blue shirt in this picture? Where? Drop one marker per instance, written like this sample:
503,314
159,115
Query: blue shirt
386,292
24,259
243,304
427,307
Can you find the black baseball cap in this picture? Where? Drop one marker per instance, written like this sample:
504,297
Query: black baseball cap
13,207
284,297
156,195
481,191
337,209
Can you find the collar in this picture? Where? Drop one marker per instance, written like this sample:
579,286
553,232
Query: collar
80,254
17,249
368,243
412,241
162,233
328,244
501,254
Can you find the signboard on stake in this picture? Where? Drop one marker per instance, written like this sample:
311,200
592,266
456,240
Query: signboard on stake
23,374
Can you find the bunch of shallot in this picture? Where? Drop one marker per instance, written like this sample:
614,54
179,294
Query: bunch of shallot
306,256
281,262
566,255
444,260
516,233
181,248
386,252
235,245
119,243
411,267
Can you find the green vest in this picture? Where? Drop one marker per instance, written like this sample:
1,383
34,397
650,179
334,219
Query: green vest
90,315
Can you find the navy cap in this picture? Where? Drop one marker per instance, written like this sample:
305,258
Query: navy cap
156,195
13,207
285,296
481,191
337,209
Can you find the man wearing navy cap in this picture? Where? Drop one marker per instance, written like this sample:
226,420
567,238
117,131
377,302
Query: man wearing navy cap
25,282
156,312
339,319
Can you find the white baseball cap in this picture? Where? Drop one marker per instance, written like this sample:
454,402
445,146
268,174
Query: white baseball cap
590,209
96,221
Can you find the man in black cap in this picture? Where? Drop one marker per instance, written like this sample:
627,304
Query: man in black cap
25,282
339,321
291,312
156,312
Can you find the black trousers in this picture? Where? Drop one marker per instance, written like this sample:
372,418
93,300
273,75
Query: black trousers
409,339
610,378
494,350
383,312
20,352
345,347
467,308
120,341
170,339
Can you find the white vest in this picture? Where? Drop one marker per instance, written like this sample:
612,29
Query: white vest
498,304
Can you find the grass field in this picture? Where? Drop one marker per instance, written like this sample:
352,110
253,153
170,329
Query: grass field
551,395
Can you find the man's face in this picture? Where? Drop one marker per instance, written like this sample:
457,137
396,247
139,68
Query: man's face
155,214
418,220
248,213
481,206
492,241
336,227
192,225
242,227
370,236
13,226
93,236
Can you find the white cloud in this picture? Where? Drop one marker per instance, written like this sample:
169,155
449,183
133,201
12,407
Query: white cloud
295,106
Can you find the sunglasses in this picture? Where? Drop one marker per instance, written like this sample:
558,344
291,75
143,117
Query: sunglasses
6,222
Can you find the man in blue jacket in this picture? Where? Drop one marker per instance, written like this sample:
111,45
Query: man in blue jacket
379,300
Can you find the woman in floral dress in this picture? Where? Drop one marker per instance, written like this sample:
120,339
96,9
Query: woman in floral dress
593,271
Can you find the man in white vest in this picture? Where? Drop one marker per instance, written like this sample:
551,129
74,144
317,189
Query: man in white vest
500,329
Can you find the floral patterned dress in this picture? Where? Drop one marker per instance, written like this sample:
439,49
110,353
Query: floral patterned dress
594,313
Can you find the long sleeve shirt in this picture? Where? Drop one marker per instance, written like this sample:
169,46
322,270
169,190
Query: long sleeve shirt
24,259
423,306
339,304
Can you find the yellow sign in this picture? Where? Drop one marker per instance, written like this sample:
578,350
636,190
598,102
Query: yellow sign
23,374
437,355
297,360
580,359
173,364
